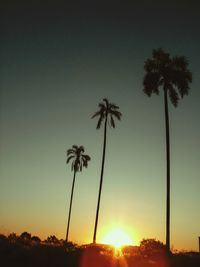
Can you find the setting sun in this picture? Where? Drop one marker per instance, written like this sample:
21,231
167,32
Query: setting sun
117,238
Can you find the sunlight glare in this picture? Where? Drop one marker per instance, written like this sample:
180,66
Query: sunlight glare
117,238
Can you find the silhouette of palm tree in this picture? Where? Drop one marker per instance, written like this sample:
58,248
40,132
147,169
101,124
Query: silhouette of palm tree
171,74
107,112
79,160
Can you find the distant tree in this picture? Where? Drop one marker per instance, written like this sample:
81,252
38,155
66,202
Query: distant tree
35,239
12,238
152,248
52,239
107,112
79,160
69,246
172,75
25,238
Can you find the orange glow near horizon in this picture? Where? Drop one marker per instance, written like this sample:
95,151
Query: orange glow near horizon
117,237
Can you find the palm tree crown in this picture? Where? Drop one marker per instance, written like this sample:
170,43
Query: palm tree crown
170,72
107,110
79,160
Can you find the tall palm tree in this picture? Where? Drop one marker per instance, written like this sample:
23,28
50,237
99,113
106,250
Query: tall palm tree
172,75
107,112
79,160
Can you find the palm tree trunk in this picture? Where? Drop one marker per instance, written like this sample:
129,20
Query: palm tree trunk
168,171
70,207
101,181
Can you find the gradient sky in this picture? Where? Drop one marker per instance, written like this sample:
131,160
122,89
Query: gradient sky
57,62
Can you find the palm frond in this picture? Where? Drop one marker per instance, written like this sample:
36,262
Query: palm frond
182,79
180,63
101,106
116,114
112,121
69,158
151,83
85,162
160,56
70,151
113,106
86,157
183,86
81,149
98,113
173,96
99,122
150,66
75,147
106,102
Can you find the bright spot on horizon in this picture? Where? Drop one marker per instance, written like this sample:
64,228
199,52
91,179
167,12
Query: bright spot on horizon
117,238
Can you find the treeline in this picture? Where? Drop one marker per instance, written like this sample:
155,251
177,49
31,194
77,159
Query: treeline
30,251
27,250
27,239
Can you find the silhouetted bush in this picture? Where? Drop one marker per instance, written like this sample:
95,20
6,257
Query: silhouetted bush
58,253
35,240
152,248
52,239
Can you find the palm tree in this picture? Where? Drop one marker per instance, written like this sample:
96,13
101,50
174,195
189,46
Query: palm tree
107,112
79,160
172,75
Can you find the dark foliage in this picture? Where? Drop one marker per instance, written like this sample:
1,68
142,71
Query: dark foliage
107,111
170,73
62,254
79,160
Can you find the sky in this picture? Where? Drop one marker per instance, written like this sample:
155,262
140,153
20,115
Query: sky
58,61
